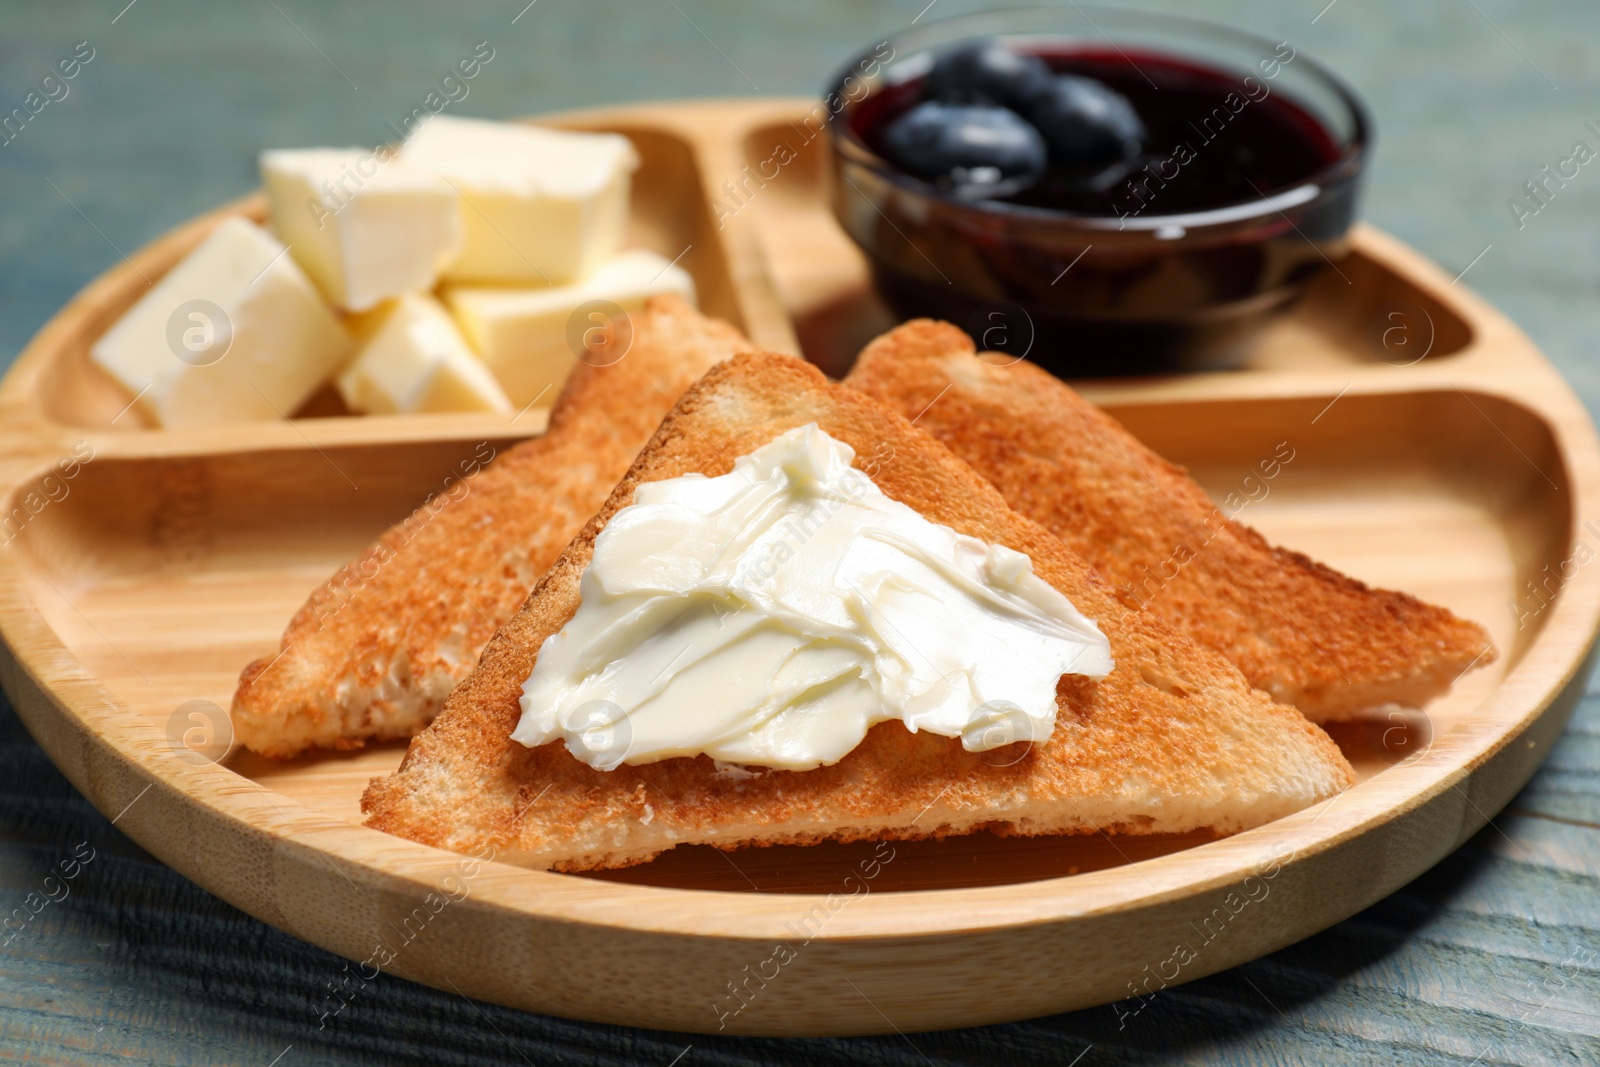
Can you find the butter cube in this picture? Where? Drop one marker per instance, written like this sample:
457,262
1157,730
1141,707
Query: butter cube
532,338
233,332
416,360
540,206
364,226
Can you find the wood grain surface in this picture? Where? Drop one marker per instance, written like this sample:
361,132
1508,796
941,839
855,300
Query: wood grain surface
1489,958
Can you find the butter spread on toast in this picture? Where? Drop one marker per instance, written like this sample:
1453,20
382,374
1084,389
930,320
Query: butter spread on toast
773,614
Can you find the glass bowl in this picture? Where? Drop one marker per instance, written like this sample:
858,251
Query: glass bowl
1148,284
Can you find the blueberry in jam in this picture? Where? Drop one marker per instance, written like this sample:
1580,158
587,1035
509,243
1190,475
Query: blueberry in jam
1086,122
1119,126
988,72
974,150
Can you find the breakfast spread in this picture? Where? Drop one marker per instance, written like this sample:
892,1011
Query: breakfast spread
234,332
1172,739
381,643
1303,632
936,615
725,601
797,616
517,229
772,615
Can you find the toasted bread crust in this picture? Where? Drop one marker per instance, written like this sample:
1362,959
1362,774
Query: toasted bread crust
1306,634
1172,740
374,651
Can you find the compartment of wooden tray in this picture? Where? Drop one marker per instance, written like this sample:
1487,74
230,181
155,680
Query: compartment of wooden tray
1447,459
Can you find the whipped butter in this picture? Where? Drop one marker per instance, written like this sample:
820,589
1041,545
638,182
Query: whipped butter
772,615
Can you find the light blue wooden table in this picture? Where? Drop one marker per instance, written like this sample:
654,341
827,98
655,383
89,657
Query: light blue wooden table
1491,958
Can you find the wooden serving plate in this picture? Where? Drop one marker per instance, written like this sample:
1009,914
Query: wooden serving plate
1435,451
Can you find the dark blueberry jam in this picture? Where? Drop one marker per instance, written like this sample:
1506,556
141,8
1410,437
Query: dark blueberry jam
1144,296
1213,139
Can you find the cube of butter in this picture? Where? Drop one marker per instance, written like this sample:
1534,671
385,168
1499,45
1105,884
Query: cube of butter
234,332
416,360
531,339
364,226
540,206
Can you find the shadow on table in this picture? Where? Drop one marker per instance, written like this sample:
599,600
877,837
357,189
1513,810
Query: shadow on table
137,963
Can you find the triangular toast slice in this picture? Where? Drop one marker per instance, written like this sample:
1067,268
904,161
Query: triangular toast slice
375,650
1172,740
1303,632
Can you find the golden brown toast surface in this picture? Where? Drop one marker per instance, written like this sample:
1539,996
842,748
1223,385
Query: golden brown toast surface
374,651
1303,632
1172,740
